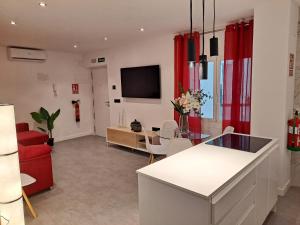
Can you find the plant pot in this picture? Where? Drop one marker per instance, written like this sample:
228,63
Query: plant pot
50,142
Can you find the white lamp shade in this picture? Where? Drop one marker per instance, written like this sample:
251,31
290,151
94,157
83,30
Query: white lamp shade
10,181
13,212
11,203
8,140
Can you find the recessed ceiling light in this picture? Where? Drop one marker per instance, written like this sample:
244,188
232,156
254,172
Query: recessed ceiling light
43,4
105,38
75,46
13,22
142,29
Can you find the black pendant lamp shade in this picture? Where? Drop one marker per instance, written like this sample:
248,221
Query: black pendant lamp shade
204,66
191,44
203,57
191,51
214,48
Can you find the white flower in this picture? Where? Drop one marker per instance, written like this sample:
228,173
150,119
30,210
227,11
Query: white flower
190,101
188,95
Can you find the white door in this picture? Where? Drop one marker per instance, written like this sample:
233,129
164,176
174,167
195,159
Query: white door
101,100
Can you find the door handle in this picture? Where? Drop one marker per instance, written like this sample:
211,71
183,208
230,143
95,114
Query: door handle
107,103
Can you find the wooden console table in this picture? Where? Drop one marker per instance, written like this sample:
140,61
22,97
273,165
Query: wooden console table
128,138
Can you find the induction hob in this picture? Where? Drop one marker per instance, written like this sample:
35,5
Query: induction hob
240,142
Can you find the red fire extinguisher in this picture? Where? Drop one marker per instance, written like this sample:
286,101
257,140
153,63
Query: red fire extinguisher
77,110
294,133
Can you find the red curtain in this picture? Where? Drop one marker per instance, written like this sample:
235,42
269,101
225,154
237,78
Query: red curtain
185,75
237,76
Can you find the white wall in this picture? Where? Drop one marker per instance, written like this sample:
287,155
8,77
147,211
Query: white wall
20,85
159,50
275,27
296,155
149,112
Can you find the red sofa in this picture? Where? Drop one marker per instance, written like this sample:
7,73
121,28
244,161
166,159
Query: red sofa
35,158
29,137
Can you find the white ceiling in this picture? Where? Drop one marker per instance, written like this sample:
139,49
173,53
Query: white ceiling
86,22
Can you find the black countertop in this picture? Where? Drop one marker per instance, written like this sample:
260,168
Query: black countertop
240,142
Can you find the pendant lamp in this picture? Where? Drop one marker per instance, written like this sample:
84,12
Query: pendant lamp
214,49
191,44
203,58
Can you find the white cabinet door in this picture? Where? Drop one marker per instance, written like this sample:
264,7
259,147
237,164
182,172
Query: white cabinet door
243,212
238,193
266,186
273,175
262,187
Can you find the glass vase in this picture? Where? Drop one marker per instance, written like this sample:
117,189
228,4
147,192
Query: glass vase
184,125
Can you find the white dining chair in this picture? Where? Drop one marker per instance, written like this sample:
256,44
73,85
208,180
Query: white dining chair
168,129
228,130
166,134
177,145
155,149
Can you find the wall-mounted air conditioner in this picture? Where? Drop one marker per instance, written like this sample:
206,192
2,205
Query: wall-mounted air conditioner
26,54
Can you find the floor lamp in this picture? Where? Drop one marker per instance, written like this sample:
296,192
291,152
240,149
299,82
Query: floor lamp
11,202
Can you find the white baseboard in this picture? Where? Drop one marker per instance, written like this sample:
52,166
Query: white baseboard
74,136
282,190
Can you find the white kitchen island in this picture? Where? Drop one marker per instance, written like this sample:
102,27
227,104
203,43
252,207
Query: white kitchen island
207,185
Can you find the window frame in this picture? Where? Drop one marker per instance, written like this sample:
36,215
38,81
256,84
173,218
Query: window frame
219,61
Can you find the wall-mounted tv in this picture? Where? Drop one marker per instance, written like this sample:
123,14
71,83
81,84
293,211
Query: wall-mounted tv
141,82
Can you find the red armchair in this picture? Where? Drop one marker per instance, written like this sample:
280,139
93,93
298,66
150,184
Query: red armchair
29,137
35,160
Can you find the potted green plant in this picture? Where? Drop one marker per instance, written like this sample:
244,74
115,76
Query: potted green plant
43,116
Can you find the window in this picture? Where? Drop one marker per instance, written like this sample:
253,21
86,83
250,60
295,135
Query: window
208,87
212,110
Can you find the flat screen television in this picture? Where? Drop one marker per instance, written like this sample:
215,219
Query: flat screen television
141,82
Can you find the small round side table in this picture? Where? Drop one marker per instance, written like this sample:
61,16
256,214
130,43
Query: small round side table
28,180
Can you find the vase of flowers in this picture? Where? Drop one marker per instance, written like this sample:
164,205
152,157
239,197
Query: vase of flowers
184,124
189,102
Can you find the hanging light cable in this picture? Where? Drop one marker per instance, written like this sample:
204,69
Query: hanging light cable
214,49
203,57
191,44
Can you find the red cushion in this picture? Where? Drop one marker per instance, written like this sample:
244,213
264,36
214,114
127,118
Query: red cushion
31,138
33,151
21,127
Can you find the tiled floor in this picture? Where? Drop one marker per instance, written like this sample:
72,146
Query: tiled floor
288,209
94,185
97,185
